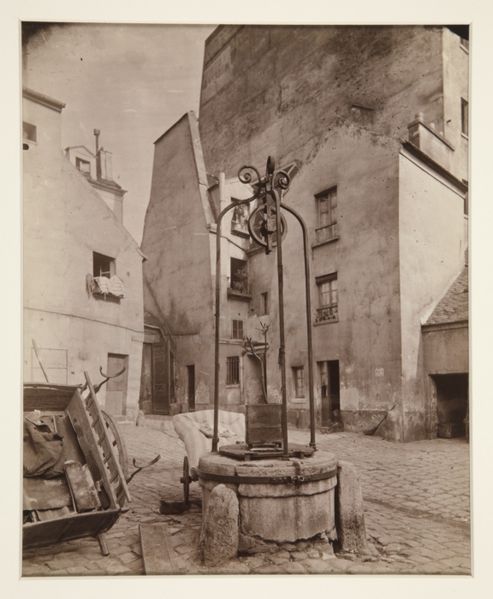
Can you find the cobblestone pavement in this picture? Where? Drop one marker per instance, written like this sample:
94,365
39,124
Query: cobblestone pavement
416,510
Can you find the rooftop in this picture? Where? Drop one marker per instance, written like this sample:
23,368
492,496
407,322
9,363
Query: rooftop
454,305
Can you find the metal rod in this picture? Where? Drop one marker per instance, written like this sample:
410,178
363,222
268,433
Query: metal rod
215,437
308,305
35,347
282,340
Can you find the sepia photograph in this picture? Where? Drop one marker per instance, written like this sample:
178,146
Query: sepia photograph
245,294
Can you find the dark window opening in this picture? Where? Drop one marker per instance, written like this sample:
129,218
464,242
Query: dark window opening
237,329
103,266
83,165
464,116
239,275
29,131
232,370
264,303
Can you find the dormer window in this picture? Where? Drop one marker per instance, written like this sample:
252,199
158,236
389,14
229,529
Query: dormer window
83,165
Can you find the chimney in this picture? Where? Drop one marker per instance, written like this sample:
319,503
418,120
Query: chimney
97,132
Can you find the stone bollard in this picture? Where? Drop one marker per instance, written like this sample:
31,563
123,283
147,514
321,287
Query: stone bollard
220,532
350,518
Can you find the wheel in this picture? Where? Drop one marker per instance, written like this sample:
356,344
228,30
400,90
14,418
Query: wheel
119,448
185,479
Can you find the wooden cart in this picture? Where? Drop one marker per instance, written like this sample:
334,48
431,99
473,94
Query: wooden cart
90,437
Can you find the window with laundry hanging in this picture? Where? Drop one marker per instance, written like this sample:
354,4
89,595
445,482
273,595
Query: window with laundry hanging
103,266
104,282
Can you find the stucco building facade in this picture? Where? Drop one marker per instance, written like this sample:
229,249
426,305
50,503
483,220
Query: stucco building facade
373,122
83,297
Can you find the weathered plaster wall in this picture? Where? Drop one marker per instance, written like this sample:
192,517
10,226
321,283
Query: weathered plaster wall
176,243
455,87
65,221
431,249
262,90
366,339
446,350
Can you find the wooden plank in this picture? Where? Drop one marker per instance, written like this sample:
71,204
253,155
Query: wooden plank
106,449
73,526
156,550
82,488
45,494
88,442
263,423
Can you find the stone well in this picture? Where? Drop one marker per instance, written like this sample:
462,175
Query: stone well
279,500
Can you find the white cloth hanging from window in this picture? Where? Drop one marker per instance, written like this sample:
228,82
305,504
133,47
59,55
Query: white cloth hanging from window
115,286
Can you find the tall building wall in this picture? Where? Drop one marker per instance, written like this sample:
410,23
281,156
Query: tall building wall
282,90
64,223
365,336
176,243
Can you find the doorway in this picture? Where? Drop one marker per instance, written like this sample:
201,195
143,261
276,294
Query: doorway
116,390
452,404
160,379
329,392
191,387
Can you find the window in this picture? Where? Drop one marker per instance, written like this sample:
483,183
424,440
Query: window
103,266
299,381
326,215
264,303
232,370
237,329
239,222
239,275
327,298
83,165
464,116
464,42
29,132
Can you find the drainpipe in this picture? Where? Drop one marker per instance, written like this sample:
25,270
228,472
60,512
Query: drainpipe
97,132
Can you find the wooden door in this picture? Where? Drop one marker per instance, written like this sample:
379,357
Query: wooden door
329,391
145,398
334,393
191,387
160,379
324,393
116,389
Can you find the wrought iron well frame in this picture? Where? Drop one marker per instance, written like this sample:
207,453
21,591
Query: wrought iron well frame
274,184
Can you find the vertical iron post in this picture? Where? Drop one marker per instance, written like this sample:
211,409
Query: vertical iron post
215,437
282,337
308,306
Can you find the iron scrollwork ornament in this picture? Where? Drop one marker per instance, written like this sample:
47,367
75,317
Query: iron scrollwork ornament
262,222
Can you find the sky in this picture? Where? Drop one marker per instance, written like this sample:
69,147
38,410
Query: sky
130,81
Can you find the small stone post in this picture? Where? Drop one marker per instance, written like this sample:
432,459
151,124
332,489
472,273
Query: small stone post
219,537
350,518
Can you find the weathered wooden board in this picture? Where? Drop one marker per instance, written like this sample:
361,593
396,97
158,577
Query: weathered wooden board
45,494
82,488
156,551
263,424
